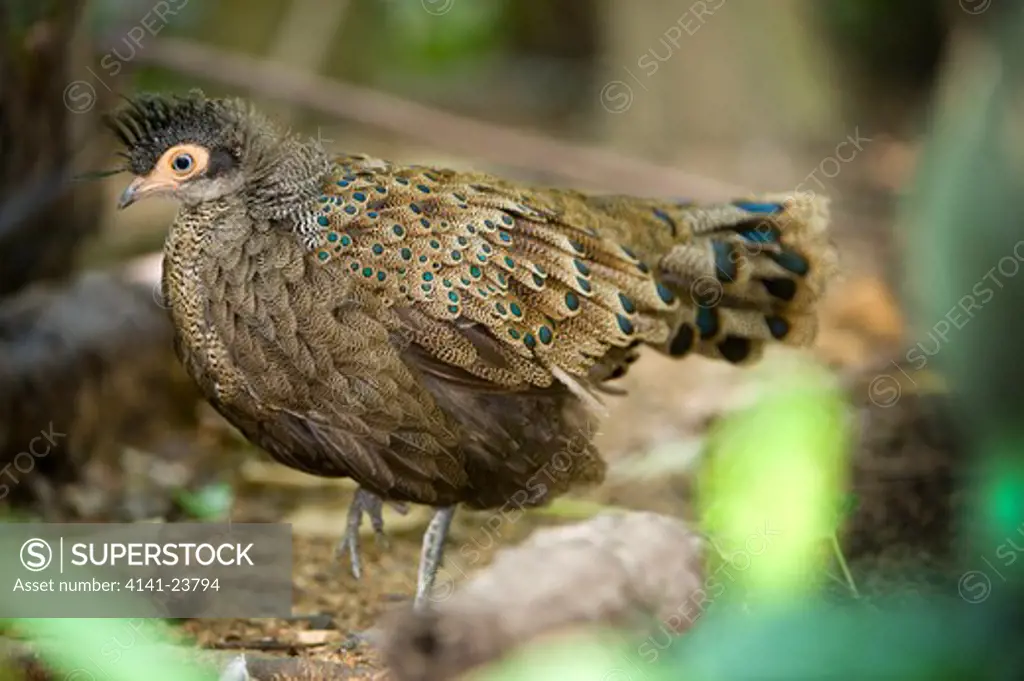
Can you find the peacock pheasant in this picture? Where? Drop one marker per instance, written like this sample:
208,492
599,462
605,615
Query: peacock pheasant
439,336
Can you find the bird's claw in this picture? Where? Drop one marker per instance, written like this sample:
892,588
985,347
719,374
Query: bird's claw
373,506
350,544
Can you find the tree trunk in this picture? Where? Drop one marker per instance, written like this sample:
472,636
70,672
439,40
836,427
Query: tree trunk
47,118
86,360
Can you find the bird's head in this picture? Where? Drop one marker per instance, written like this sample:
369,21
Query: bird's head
194,149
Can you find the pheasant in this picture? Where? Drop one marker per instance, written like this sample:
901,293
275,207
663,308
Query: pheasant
441,337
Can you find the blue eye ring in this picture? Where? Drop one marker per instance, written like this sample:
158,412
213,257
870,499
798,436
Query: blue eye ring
182,163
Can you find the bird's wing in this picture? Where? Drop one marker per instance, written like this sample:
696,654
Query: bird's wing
494,287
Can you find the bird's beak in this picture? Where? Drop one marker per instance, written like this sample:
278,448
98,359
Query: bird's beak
142,187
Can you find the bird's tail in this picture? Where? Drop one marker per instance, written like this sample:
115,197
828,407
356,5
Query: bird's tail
747,273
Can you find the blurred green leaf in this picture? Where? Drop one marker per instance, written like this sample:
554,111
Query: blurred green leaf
961,220
774,476
23,14
921,640
112,649
430,34
211,502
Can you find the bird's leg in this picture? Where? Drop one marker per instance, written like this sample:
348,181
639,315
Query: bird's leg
431,554
373,506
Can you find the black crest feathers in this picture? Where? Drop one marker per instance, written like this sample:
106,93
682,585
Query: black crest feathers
148,124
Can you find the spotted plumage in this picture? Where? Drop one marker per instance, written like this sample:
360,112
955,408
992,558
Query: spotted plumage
549,273
439,336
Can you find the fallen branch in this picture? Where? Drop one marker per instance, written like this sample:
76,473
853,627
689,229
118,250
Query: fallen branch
454,133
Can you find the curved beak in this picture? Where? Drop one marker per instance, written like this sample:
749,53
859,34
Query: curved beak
131,193
142,187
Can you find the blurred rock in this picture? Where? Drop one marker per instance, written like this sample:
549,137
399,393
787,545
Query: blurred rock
85,370
630,570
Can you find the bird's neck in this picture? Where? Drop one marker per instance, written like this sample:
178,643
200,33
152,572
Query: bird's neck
203,225
201,237
285,180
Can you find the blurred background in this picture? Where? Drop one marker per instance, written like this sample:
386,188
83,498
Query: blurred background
703,99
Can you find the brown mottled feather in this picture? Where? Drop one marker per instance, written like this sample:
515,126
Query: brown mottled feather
431,333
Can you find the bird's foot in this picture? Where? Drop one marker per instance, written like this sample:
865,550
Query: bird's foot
373,506
431,555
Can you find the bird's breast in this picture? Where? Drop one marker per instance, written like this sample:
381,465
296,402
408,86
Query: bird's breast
258,320
198,255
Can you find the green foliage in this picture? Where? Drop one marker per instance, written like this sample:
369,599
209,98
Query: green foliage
431,35
961,218
774,479
113,649
23,14
797,641
212,502
895,43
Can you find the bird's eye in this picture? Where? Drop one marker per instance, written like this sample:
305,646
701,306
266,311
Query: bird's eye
182,163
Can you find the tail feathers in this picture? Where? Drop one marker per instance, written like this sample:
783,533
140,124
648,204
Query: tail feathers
749,273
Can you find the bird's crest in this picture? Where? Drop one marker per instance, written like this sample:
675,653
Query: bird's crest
148,124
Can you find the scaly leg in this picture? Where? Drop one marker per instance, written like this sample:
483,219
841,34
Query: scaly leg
373,506
431,554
